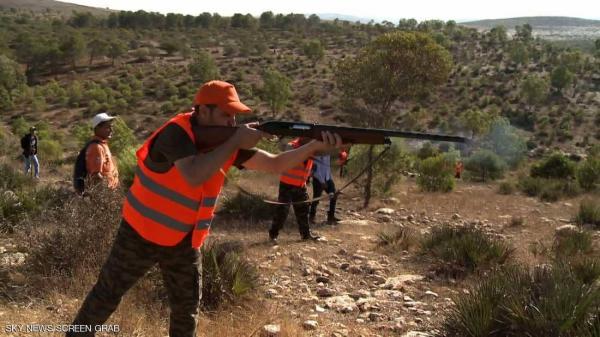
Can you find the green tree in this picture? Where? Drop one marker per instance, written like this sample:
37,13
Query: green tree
11,82
477,121
97,47
524,33
561,77
170,46
572,60
497,35
314,50
397,66
519,53
203,68
407,24
504,141
534,89
276,90
116,49
72,47
267,20
485,165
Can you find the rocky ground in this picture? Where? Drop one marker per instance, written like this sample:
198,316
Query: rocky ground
346,284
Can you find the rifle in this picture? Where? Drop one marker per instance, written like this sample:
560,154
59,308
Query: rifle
213,136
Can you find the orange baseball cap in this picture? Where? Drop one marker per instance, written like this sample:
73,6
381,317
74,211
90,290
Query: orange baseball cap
221,94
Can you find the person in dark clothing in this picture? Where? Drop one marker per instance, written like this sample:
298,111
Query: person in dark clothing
29,144
292,189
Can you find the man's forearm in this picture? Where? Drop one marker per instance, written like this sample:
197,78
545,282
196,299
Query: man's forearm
201,167
288,159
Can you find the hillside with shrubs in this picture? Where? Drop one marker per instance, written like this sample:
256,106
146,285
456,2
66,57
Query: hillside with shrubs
509,248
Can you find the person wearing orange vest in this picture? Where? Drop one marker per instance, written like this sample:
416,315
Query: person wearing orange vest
458,169
292,189
168,210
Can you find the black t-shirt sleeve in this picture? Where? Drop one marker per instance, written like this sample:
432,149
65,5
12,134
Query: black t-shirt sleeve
170,145
173,143
242,156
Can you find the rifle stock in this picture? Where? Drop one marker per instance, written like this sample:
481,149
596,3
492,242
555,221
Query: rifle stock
212,136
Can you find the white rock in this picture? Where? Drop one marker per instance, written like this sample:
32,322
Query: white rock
398,282
343,304
416,334
310,325
566,230
362,223
385,210
431,293
271,330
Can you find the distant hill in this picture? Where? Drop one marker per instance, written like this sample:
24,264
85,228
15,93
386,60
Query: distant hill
534,21
553,28
350,18
63,8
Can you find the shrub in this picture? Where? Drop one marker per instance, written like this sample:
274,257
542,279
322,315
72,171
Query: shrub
571,243
123,137
225,275
589,213
466,247
427,151
554,189
127,163
8,143
249,207
531,186
435,174
588,173
402,239
50,150
556,166
506,188
484,165
551,301
72,241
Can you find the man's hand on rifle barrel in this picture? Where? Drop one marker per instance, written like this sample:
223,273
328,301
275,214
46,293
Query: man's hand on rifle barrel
330,142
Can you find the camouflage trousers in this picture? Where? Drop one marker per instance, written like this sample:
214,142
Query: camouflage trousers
130,258
287,194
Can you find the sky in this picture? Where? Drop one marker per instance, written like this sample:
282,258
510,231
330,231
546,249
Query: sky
392,10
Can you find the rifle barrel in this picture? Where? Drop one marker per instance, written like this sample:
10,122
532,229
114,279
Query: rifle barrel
350,134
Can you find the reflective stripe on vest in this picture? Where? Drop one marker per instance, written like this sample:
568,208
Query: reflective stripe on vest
297,175
162,207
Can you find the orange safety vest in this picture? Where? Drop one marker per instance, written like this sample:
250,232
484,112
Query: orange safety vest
162,207
298,174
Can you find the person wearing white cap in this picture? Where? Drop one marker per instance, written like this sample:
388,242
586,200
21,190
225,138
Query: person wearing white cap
99,162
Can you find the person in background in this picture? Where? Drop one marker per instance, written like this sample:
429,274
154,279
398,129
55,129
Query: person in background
29,144
292,189
458,169
99,162
323,181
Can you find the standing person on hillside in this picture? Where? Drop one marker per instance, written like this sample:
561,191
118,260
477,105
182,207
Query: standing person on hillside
29,144
168,211
323,181
292,189
99,162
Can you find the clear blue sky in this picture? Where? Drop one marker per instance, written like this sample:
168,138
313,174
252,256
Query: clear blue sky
459,10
